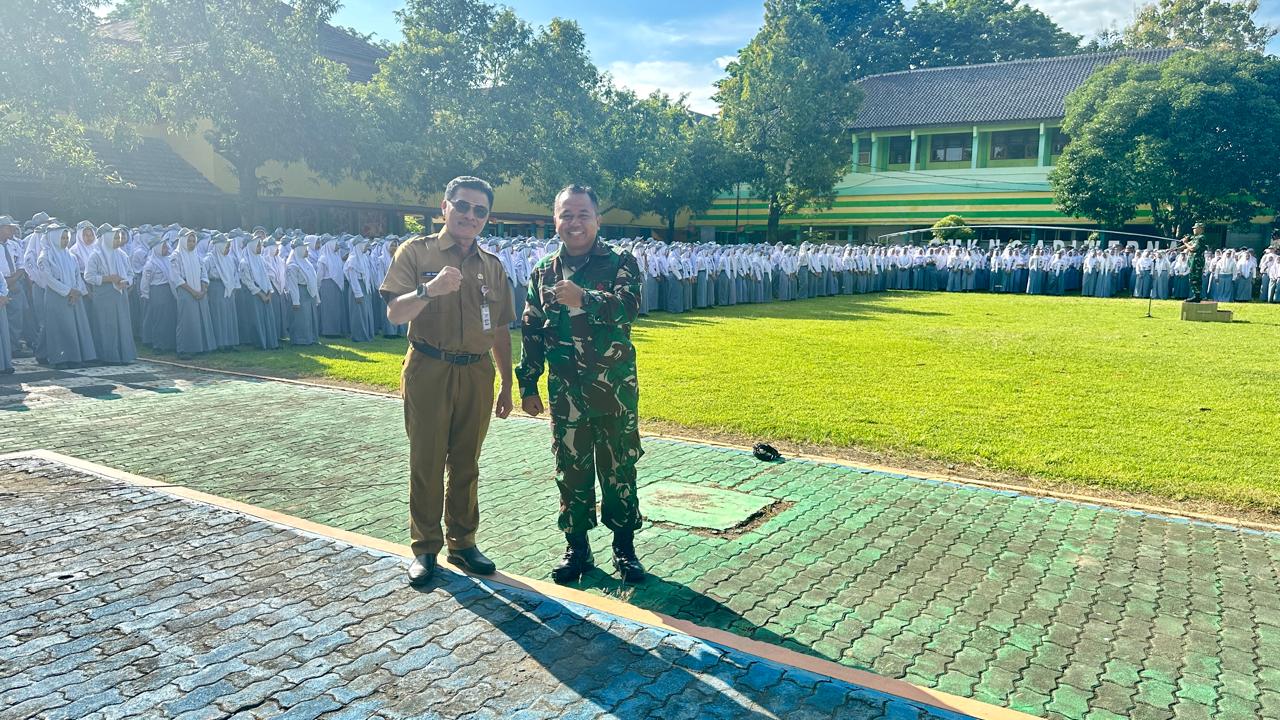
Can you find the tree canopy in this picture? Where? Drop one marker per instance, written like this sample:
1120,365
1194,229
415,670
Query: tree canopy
1191,138
786,107
1201,24
471,88
965,32
880,36
251,73
682,161
60,84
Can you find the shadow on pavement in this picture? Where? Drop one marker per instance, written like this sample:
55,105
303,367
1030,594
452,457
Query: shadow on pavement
626,669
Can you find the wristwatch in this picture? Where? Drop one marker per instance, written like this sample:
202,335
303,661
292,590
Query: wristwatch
421,292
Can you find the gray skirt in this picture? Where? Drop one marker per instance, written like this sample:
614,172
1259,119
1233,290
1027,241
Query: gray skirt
333,309
226,328
67,337
302,319
112,325
195,325
160,319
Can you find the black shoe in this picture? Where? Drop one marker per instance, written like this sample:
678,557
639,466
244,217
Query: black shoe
625,560
1194,299
577,560
421,570
472,560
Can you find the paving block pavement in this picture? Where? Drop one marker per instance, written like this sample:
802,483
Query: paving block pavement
125,602
1058,609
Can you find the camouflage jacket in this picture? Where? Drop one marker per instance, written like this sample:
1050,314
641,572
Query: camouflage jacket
589,354
1198,244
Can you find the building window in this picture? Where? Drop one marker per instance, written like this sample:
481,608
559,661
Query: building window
899,150
864,158
1060,141
1015,145
957,147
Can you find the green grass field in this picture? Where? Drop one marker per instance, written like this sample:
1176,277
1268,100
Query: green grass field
1064,392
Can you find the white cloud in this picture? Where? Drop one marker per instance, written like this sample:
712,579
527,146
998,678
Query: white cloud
673,77
733,29
723,61
1086,17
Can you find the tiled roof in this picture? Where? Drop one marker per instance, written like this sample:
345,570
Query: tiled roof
993,92
150,167
360,57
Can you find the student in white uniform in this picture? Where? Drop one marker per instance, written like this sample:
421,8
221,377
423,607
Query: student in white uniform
109,279
67,341
224,286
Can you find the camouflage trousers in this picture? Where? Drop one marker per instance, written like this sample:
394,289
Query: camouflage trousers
605,447
1195,274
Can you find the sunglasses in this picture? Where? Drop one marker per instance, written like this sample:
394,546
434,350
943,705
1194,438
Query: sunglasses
480,211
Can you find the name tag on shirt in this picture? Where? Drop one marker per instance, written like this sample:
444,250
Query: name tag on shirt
485,318
429,275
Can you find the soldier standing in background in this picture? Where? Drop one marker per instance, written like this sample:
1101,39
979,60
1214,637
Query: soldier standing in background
1196,245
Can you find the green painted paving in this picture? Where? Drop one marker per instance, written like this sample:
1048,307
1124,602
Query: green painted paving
1058,609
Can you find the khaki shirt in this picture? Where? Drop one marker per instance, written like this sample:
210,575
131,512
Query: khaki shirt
454,322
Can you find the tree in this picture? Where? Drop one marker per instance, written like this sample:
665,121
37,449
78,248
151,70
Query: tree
965,32
880,36
1201,24
473,89
61,88
251,70
952,227
1191,138
870,33
786,107
683,164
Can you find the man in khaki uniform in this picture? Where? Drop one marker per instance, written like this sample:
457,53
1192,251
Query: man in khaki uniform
454,296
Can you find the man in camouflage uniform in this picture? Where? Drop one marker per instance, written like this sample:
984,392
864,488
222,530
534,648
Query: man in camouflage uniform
581,302
1196,245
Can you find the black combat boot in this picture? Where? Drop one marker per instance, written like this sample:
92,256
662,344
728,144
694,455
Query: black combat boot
577,559
624,557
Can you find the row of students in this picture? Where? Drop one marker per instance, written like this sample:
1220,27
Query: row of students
680,277
182,291
79,296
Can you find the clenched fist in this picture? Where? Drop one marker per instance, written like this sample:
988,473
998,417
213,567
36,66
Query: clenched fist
448,281
532,405
568,294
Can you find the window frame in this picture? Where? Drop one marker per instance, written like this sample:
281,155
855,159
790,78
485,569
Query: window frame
1030,144
905,142
963,143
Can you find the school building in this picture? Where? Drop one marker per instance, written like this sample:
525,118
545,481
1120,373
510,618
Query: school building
978,141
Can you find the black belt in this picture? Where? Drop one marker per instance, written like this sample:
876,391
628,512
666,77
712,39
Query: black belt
438,354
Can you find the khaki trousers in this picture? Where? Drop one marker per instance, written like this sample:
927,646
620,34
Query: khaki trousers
446,415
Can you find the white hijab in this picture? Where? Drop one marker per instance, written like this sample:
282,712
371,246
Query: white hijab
79,249
57,260
186,263
298,260
161,269
275,263
358,263
331,261
113,258
253,261
226,265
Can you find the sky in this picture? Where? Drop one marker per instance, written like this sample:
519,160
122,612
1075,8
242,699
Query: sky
682,46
